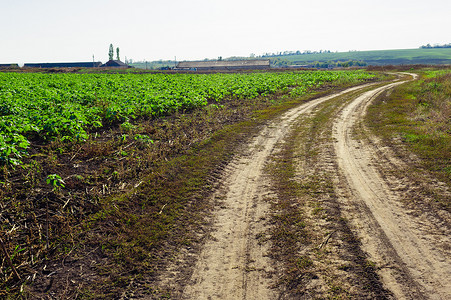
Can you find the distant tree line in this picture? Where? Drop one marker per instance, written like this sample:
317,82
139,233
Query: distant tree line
339,64
287,53
428,46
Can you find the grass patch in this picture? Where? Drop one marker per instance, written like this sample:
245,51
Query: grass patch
418,115
289,234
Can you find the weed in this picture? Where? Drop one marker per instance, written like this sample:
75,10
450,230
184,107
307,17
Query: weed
56,182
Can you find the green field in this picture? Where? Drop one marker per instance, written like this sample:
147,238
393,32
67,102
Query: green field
379,57
68,107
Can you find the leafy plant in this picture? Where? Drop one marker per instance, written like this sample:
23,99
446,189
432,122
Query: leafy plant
143,138
56,182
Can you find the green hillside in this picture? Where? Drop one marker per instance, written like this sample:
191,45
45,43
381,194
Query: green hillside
435,56
378,57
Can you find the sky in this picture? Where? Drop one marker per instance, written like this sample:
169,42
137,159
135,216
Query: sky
70,31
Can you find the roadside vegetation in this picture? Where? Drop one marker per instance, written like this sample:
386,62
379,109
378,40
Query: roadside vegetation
104,176
418,116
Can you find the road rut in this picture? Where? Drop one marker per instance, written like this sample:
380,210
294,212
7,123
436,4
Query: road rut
232,264
414,266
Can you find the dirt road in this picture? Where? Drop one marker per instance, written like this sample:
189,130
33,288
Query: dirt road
410,253
233,265
416,263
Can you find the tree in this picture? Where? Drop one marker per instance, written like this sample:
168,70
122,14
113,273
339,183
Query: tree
117,53
111,52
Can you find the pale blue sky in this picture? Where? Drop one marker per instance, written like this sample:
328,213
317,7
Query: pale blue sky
59,30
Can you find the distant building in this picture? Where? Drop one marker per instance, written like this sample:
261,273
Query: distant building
223,65
115,64
9,66
300,66
64,65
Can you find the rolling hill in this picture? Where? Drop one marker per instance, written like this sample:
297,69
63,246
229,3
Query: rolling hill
377,57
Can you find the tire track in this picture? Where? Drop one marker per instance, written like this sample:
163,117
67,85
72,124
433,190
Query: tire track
413,267
233,265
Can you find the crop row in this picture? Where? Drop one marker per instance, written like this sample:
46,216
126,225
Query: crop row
69,106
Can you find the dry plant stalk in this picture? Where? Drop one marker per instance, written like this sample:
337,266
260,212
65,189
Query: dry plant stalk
8,259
